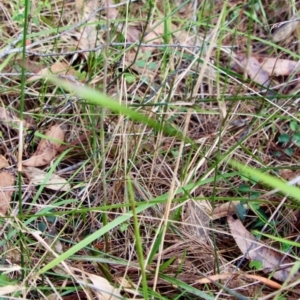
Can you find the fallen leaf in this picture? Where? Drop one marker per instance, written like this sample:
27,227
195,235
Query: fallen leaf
286,29
185,38
154,36
9,119
54,242
59,67
3,162
253,68
273,262
88,35
197,219
225,209
279,67
54,182
103,289
133,34
7,180
111,12
30,65
47,148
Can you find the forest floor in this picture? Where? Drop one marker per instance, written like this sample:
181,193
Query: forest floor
141,147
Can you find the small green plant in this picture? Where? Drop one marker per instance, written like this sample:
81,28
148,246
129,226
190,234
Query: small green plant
292,138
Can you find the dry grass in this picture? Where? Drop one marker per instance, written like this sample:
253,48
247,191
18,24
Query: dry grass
176,184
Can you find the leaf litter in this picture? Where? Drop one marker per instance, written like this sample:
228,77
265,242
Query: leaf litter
89,36
273,262
59,68
39,177
285,29
47,148
7,181
9,119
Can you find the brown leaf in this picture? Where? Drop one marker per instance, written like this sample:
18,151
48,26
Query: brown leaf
54,182
224,209
133,34
59,67
185,38
154,36
6,180
31,66
3,162
9,119
285,30
288,174
253,68
88,35
103,289
47,148
272,261
110,11
277,67
197,219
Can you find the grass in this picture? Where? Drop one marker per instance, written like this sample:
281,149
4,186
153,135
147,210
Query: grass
164,140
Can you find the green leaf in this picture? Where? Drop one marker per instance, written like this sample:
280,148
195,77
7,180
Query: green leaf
141,63
123,227
244,188
293,125
289,151
42,226
129,78
254,195
152,65
257,265
5,280
296,137
241,211
284,138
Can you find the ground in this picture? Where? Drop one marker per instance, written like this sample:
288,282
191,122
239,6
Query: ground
149,149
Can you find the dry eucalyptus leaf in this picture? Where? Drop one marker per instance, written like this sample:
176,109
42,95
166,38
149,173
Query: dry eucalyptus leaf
7,180
196,219
185,38
59,68
47,148
3,162
88,35
225,209
132,34
154,36
55,243
254,70
279,67
110,11
285,30
103,289
9,119
273,262
30,65
54,182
